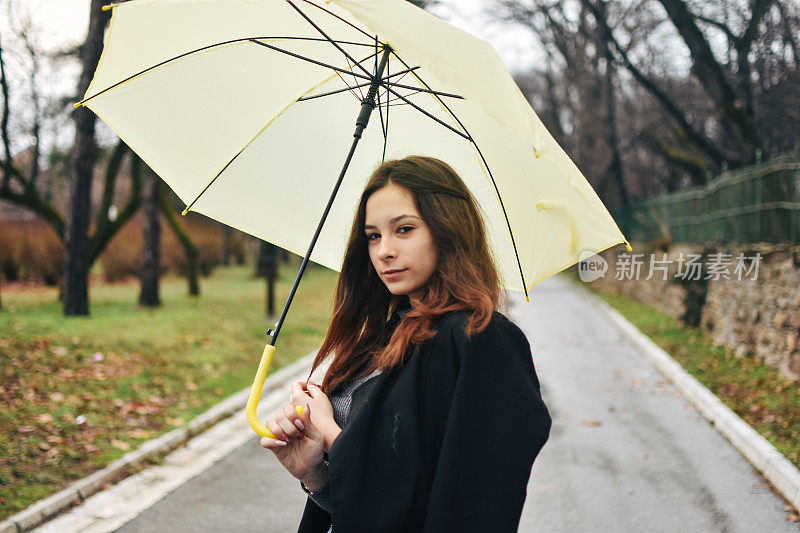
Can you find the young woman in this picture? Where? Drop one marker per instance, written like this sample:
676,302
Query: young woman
430,416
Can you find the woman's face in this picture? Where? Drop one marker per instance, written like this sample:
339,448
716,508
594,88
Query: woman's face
400,244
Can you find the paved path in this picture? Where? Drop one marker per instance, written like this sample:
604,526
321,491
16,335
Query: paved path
627,453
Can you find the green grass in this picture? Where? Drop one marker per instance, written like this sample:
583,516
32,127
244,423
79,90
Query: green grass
159,368
757,392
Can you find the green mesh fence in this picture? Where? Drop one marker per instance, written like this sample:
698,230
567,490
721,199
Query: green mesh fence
760,203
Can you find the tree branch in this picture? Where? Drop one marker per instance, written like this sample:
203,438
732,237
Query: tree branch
24,34
692,163
708,70
106,229
7,165
719,25
700,140
189,248
112,171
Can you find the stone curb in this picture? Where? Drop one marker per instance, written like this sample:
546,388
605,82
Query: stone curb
42,510
778,470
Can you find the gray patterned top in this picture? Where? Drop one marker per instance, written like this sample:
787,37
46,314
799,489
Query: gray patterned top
340,401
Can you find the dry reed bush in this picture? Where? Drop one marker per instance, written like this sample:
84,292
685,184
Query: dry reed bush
30,250
121,257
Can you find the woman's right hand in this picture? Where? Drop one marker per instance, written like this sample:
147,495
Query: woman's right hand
298,445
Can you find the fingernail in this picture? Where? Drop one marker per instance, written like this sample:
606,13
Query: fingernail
280,442
299,425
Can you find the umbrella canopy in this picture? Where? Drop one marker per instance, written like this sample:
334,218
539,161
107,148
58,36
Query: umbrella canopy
245,108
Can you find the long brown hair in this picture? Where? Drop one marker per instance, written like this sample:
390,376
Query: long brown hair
362,335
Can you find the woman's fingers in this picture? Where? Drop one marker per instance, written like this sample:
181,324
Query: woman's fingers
289,429
276,430
292,416
314,391
272,444
299,395
310,429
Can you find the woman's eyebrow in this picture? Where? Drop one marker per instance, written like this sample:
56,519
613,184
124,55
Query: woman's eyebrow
392,221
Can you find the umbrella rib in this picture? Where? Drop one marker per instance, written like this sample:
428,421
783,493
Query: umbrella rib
384,130
488,170
386,138
352,91
337,91
418,108
361,97
404,73
188,207
334,43
218,174
427,89
350,67
208,47
340,18
410,94
347,87
380,114
304,58
383,127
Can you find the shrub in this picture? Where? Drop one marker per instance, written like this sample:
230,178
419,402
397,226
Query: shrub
30,250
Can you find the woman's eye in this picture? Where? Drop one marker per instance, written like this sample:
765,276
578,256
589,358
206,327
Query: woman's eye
372,236
405,229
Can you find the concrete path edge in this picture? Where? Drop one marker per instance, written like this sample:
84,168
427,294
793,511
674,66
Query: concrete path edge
774,466
118,470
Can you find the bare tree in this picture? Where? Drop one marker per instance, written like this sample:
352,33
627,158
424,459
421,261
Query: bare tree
192,254
21,182
84,155
739,100
150,269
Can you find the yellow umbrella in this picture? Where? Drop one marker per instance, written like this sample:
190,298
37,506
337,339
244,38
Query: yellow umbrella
244,107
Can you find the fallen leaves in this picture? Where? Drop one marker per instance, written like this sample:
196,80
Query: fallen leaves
121,445
140,433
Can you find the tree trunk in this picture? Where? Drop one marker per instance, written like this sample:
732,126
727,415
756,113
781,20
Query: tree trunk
267,267
192,255
151,249
226,244
615,168
84,153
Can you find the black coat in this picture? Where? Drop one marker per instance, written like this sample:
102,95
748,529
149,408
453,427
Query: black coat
444,443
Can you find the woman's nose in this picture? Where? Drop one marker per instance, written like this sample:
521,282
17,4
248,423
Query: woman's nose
386,250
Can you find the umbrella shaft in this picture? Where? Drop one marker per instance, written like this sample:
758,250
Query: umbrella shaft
367,105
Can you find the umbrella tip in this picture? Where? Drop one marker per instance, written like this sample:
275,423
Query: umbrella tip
76,105
107,7
628,246
184,211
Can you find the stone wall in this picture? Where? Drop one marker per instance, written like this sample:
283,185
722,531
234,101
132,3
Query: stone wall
759,317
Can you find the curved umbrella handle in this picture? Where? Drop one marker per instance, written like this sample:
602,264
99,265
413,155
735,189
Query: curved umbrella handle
255,394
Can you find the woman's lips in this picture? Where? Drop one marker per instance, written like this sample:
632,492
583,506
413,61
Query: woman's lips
389,274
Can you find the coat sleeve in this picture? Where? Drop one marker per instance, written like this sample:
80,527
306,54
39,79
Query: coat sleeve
315,519
492,432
